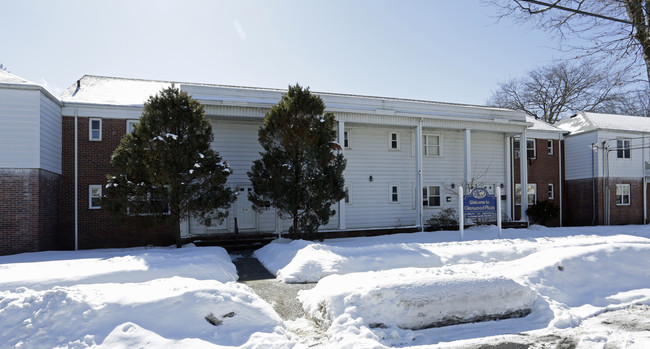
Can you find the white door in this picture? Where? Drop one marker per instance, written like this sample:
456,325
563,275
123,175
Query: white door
246,217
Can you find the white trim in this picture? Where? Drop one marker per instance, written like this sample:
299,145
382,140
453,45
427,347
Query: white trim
90,130
551,191
528,202
92,187
131,123
551,149
425,145
623,194
396,140
394,194
347,139
427,187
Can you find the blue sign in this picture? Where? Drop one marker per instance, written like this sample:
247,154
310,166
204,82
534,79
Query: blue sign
479,204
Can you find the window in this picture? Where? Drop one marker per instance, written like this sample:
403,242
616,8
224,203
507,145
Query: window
623,148
94,196
346,139
431,145
393,141
551,192
622,194
532,194
347,194
530,148
130,125
95,129
550,147
431,196
394,192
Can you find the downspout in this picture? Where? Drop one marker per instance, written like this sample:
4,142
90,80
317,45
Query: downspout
594,149
605,186
512,189
418,175
645,194
76,182
559,145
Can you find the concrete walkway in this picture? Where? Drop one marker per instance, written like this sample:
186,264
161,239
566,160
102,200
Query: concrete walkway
283,297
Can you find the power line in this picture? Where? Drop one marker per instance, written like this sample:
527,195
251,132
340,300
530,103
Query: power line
581,12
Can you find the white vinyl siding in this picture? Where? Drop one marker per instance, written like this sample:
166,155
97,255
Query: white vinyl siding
50,135
371,205
19,128
578,156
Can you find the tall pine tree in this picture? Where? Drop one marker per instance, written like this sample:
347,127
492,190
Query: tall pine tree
299,173
166,167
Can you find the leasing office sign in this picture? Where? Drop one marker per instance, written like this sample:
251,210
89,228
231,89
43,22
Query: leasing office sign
479,204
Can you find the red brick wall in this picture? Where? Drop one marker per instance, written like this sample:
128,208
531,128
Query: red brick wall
29,210
543,170
98,228
580,195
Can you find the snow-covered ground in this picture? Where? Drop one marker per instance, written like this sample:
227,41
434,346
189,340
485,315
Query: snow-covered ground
590,285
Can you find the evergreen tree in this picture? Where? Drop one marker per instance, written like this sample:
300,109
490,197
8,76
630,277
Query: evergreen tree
166,168
299,172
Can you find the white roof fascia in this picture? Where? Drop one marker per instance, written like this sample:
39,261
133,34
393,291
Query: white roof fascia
102,110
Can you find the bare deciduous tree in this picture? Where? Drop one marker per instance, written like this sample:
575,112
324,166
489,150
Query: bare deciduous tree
617,29
560,89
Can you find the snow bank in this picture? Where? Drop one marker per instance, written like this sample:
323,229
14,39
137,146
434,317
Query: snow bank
414,298
160,297
44,270
176,307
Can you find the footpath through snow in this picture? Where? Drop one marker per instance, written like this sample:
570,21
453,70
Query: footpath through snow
587,286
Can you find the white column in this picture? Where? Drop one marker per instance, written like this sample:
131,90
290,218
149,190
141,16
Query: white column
508,184
468,157
341,141
523,171
418,175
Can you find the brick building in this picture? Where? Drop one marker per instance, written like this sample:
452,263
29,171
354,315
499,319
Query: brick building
607,161
544,165
406,159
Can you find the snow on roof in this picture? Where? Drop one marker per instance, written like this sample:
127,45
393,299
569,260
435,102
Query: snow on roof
8,78
585,122
540,125
112,91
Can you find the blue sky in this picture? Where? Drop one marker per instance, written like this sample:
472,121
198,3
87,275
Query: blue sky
441,50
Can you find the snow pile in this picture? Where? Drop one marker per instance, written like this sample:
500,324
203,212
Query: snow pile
559,277
131,298
414,298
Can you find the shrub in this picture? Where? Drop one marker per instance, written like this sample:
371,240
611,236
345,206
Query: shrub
542,212
444,218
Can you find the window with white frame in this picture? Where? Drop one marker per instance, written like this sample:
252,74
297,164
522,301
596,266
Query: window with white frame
530,148
130,125
431,196
94,196
95,129
347,194
393,141
393,192
532,194
550,147
623,148
551,192
346,139
622,194
432,145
